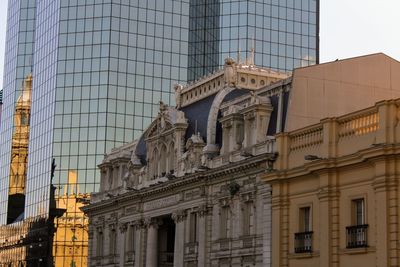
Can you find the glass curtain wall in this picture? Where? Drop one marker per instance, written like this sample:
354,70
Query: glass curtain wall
283,34
18,65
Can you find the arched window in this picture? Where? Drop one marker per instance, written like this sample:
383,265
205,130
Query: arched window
163,160
154,164
171,157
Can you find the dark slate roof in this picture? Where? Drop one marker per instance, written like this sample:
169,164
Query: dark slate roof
197,115
274,115
141,150
198,112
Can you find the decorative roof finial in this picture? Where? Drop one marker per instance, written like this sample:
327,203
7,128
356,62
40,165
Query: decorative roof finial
239,56
252,55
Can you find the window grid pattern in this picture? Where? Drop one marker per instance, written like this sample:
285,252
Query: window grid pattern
18,62
284,34
116,60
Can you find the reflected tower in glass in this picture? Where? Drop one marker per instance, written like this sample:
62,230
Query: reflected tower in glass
100,69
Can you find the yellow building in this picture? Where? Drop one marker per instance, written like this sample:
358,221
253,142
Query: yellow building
71,238
335,191
19,153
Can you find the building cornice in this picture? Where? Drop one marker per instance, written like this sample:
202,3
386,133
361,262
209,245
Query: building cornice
248,166
364,156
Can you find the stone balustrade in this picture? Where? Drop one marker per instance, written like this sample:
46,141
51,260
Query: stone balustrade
345,135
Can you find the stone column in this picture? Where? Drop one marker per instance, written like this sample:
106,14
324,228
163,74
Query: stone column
280,113
121,243
202,237
139,242
92,244
179,218
152,242
226,132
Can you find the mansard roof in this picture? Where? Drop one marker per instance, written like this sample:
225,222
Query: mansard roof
196,100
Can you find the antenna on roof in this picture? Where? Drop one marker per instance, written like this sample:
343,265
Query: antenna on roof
239,59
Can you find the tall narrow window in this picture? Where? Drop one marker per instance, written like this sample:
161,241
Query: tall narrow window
303,238
357,233
113,241
305,220
171,158
193,227
100,240
130,243
163,161
224,222
248,218
358,211
154,170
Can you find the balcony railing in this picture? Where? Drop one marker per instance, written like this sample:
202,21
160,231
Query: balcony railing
357,236
303,242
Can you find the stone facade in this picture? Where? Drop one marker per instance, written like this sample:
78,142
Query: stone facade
188,192
247,150
335,191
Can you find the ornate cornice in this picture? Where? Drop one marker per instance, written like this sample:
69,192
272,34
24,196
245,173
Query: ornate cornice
150,222
204,210
249,166
123,227
179,216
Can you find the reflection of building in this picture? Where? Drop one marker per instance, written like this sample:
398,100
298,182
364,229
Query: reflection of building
25,242
1,103
335,192
101,68
19,154
70,246
187,193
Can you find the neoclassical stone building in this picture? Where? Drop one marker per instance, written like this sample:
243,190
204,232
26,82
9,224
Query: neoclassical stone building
245,171
188,192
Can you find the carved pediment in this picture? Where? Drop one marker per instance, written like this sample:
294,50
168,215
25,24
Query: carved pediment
165,121
159,125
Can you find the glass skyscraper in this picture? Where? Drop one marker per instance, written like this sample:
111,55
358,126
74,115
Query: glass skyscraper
283,33
100,68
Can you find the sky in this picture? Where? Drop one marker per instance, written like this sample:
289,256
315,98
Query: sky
348,28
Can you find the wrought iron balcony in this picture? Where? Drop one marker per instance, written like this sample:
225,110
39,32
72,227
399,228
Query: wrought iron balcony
357,236
303,242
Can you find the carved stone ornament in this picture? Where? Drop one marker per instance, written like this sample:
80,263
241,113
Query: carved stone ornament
178,90
204,210
152,222
99,229
137,223
233,188
112,226
230,72
123,227
179,216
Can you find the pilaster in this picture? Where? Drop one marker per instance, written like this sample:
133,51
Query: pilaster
280,220
179,217
152,225
203,214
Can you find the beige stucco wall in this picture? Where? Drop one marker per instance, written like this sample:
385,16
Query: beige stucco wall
340,87
355,156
